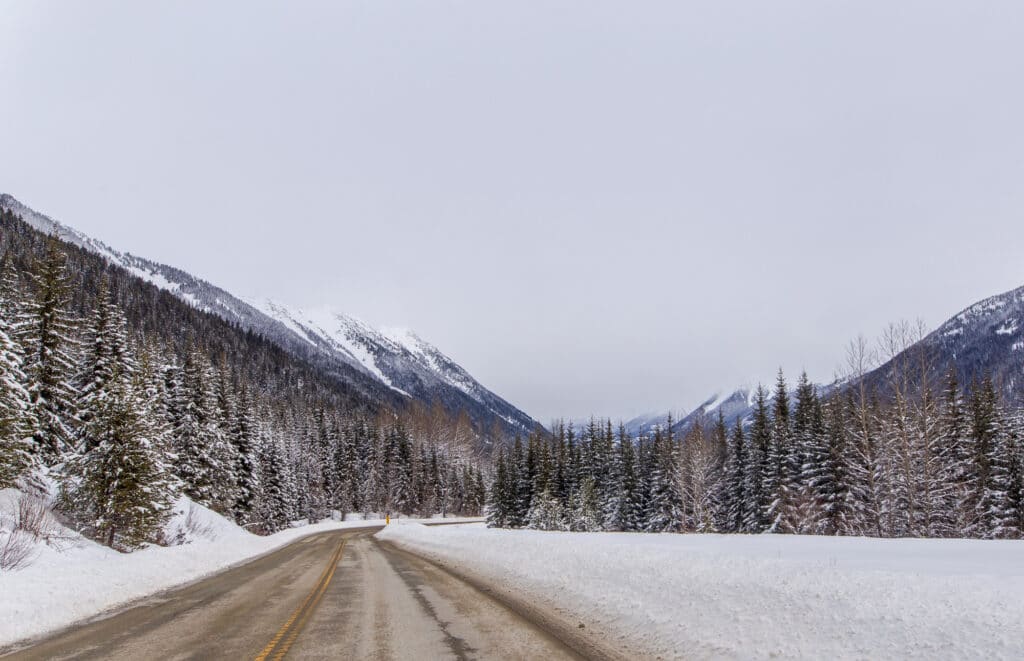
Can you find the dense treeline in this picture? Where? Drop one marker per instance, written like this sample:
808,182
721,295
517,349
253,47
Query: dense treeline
126,416
915,463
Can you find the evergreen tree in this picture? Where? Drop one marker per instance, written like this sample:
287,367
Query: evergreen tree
998,473
803,511
778,473
247,461
957,457
833,486
498,514
16,424
546,513
124,488
867,469
586,515
666,506
757,465
630,512
735,501
203,463
47,335
106,357
275,508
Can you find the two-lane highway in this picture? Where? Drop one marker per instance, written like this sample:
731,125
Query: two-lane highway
338,595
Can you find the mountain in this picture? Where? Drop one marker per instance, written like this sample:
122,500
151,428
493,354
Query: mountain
985,338
732,404
394,367
399,359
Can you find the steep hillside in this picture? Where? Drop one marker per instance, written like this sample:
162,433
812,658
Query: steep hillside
986,338
392,367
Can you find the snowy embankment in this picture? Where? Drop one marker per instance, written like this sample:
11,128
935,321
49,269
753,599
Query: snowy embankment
751,597
71,578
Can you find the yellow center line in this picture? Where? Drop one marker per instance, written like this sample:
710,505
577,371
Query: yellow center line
302,622
314,596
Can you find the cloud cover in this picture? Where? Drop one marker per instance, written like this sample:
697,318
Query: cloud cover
594,207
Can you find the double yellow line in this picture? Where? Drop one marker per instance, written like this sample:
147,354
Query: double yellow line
289,633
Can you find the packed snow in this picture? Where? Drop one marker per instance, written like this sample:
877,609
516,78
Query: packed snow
70,578
755,596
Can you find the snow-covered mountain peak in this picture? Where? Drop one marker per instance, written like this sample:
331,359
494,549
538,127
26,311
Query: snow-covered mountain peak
397,357
383,364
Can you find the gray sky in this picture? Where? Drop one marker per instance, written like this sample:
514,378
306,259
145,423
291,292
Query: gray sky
595,207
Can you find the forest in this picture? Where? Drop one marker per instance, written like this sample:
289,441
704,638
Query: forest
116,399
905,459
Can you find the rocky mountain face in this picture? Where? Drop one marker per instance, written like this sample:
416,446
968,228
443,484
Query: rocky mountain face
394,366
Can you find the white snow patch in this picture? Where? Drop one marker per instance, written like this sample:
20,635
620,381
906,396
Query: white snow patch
755,596
155,278
283,315
1008,328
430,357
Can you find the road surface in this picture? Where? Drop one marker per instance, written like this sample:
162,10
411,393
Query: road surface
337,595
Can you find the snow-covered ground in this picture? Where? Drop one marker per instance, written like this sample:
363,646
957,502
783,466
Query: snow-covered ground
72,578
753,597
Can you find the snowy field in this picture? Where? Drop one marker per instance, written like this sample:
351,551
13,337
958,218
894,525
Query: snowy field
754,597
72,578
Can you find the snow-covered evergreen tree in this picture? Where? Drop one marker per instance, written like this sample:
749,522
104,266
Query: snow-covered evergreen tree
546,513
121,485
46,332
757,465
204,462
735,501
106,357
585,515
778,473
665,513
499,497
16,423
247,462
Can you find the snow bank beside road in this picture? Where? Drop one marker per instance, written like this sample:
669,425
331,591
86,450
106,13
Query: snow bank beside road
77,579
723,596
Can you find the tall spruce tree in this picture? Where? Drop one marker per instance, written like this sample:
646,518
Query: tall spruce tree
16,424
122,487
757,465
735,501
778,473
46,332
106,357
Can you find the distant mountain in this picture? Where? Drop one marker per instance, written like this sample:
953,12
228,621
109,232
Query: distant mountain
390,366
401,360
985,338
733,405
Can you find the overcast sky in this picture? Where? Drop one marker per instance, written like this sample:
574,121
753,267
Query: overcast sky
594,207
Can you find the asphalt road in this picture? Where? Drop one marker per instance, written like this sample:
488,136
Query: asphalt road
338,595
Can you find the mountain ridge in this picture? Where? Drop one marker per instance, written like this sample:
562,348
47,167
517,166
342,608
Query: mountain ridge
352,350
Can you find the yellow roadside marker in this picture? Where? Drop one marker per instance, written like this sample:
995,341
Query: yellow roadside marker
312,599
